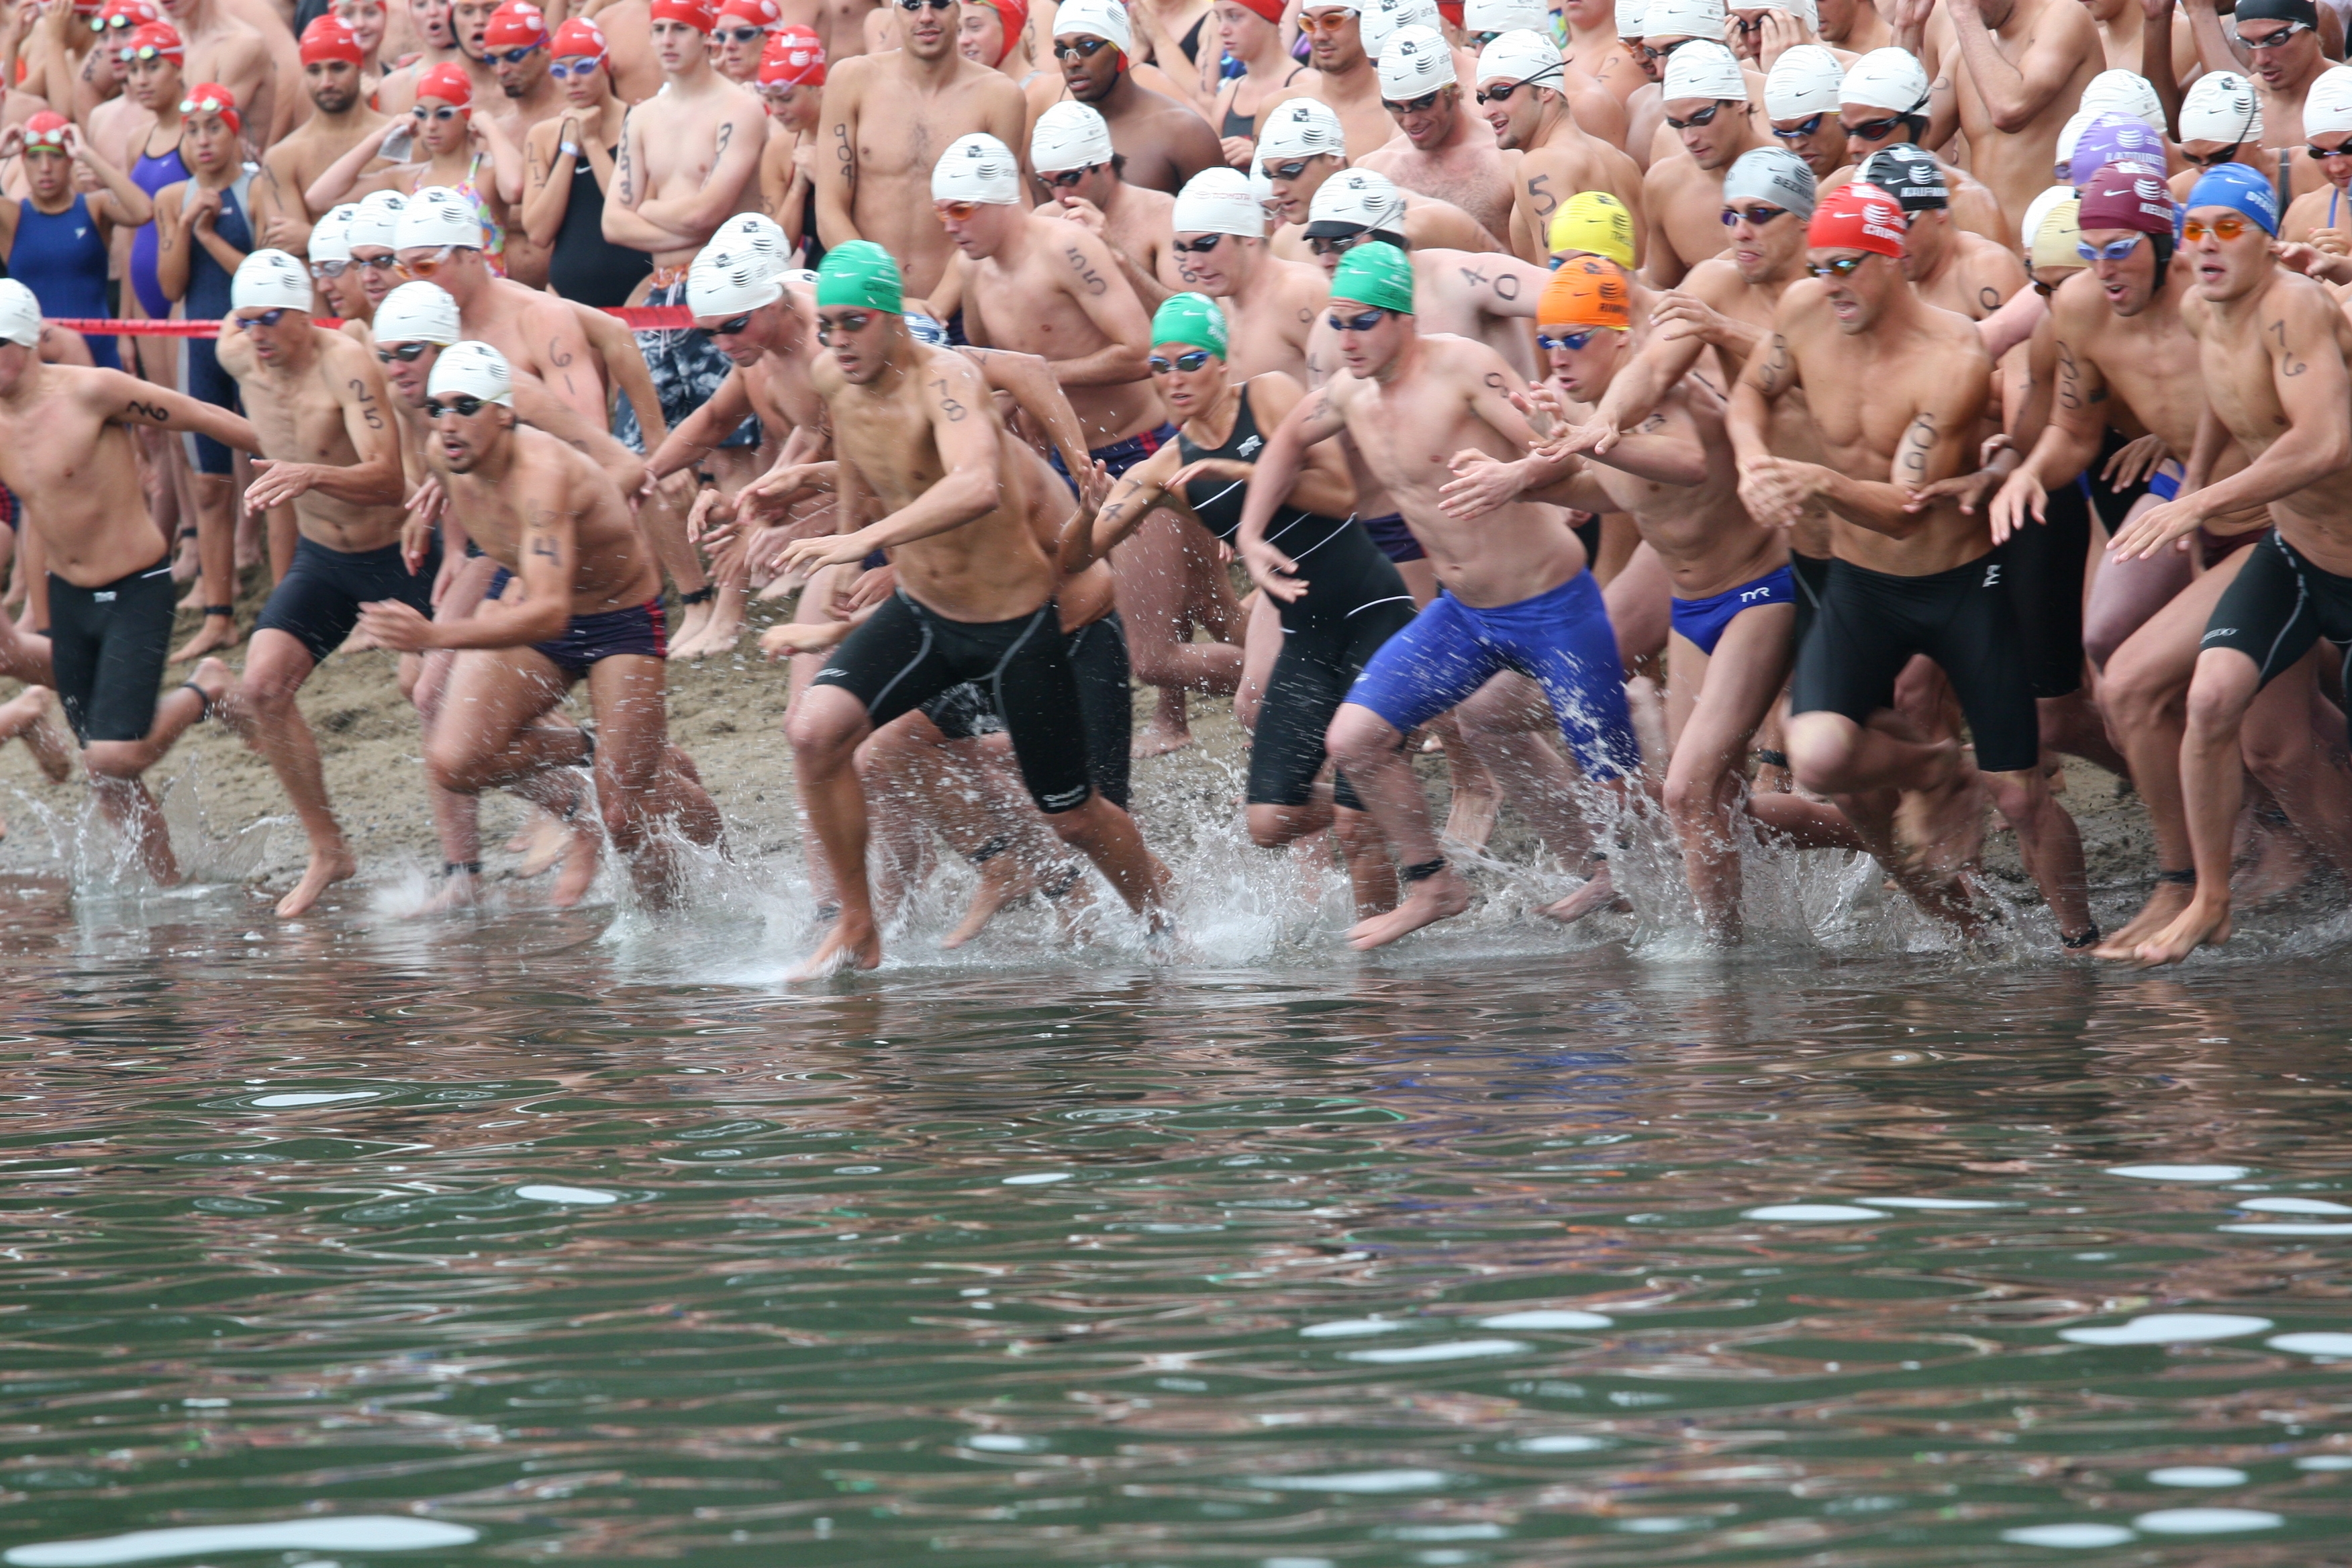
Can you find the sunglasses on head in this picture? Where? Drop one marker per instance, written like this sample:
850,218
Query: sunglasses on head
578,68
465,405
1801,130
516,57
330,268
1362,323
100,24
2275,40
728,328
1874,129
267,319
1079,48
1704,117
406,354
847,321
2209,160
1067,179
376,263
1201,246
2228,228
1844,266
1336,244
1186,362
1572,343
447,111
1755,217
2114,250
1422,105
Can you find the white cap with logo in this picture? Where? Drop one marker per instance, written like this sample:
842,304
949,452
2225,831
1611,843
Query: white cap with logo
1804,82
978,168
269,280
1417,62
417,313
471,369
1071,135
434,216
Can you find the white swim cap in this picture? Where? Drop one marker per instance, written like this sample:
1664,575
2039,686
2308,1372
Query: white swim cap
269,280
1504,16
417,313
1417,61
1071,135
1683,19
723,282
1262,192
1773,176
2039,208
1333,5
471,369
1804,10
20,314
1703,69
1521,56
1301,127
434,216
1804,82
2071,131
1892,79
977,168
330,236
1353,199
1097,19
377,220
1630,18
756,235
1380,21
1217,200
2220,106
2124,92
2327,107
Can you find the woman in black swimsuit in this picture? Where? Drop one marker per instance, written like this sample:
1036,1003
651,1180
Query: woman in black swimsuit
571,163
1353,599
1250,32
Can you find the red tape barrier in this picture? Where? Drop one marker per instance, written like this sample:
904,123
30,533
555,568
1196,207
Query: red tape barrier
641,317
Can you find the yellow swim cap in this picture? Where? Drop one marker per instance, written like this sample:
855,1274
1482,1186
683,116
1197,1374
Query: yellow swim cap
2060,230
1597,222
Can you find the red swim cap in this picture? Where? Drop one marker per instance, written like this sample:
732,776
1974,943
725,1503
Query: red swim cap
1272,9
161,36
1857,217
514,26
212,96
794,58
2127,196
758,13
330,38
126,15
576,38
449,83
695,14
46,128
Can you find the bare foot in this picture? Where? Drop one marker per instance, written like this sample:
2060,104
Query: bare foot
1941,830
2202,923
1156,738
217,631
1433,899
458,891
32,713
326,867
585,836
693,620
1003,881
2282,865
846,946
2163,906
719,637
541,843
185,563
1600,893
781,588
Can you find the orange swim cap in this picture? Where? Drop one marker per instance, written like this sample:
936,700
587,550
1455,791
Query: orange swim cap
1587,292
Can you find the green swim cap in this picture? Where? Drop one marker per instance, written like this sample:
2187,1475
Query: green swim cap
859,273
1193,318
1379,275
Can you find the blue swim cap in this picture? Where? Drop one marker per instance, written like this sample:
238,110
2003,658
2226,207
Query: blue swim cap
926,330
2241,189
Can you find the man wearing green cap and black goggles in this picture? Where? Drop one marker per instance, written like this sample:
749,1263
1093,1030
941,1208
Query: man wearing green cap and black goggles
918,440
1514,590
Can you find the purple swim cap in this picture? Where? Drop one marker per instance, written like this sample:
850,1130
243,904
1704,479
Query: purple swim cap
2112,138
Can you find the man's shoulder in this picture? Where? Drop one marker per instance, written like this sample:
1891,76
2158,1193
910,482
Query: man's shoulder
1714,280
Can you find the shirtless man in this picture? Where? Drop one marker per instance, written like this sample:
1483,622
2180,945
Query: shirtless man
340,120
1519,82
591,609
1872,100
228,50
917,431
1165,142
1445,152
374,226
1303,144
1854,26
2278,43
1894,387
1070,150
1675,473
1219,250
317,402
517,43
1344,80
1706,105
65,451
875,168
1801,99
1517,593
1962,272
2017,69
2270,360
1049,287
1592,47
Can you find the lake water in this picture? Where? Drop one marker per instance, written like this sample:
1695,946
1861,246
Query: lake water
545,1237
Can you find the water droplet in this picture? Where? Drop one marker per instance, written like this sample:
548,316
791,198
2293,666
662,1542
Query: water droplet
274,1101
1932,1202
1003,1443
2293,1205
2198,1476
2312,1344
2068,1536
2324,1462
2182,1173
357,1532
1037,1178
2206,1521
1365,1482
2286,1227
2169,1328
1348,1328
1560,1443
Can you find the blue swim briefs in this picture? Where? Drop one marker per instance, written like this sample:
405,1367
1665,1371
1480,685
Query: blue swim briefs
1702,621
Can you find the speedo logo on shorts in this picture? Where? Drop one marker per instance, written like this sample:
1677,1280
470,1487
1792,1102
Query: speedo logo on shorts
831,673
2213,632
1068,798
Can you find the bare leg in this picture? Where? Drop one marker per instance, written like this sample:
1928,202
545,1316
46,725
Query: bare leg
826,726
263,712
1262,647
2050,845
116,766
1640,607
2294,764
1370,750
1107,836
635,779
487,736
663,518
1704,777
32,713
1152,586
1507,725
2125,593
1863,768
2212,786
217,581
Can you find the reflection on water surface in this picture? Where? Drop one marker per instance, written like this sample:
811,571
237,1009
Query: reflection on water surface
474,1243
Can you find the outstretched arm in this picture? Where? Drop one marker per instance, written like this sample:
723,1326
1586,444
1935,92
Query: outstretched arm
1317,417
969,488
1030,381
1140,491
126,400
